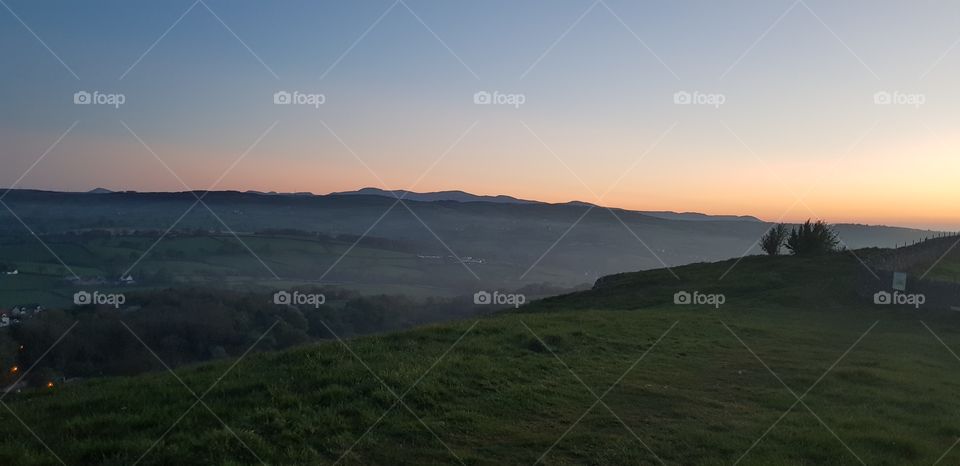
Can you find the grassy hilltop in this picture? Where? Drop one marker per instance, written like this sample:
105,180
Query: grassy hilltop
680,385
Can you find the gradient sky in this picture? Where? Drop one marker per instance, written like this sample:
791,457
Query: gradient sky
599,123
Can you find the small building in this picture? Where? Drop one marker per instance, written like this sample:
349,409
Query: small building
26,309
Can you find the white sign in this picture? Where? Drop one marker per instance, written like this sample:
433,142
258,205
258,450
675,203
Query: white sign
900,281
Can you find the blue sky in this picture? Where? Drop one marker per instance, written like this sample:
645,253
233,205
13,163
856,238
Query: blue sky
798,81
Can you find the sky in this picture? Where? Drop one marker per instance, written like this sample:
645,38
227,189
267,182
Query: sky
786,110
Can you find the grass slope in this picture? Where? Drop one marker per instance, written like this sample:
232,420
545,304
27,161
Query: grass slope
516,388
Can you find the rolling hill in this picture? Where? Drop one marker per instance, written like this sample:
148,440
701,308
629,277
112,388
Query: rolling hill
795,367
478,244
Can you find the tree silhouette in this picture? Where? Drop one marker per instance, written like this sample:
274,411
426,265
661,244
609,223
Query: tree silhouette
812,238
773,239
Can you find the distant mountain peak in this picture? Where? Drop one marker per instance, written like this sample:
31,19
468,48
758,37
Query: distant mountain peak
461,196
699,217
455,195
99,191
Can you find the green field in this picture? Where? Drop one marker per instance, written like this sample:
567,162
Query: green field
679,385
948,269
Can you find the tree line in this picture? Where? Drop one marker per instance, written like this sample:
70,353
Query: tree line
807,239
183,326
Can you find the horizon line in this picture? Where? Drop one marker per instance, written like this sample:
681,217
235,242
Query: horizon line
357,192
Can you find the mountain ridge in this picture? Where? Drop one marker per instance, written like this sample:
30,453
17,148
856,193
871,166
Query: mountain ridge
440,196
463,196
